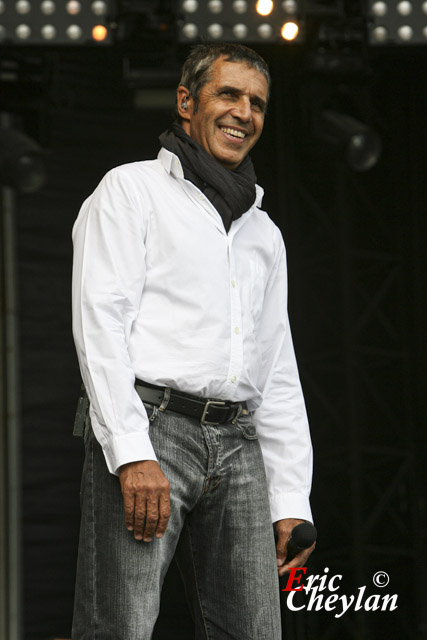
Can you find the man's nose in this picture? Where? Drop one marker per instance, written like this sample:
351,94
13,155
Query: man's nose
242,110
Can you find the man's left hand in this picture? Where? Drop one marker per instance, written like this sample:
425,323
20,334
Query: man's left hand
283,530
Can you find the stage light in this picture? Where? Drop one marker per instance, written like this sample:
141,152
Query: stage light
215,31
240,6
404,8
240,21
23,31
23,7
380,34
264,7
74,32
55,22
405,32
359,143
400,22
21,162
73,7
240,31
190,30
290,7
379,8
99,32
48,31
265,30
289,31
215,6
99,8
190,6
48,7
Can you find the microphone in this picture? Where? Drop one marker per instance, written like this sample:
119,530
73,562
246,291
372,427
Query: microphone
302,537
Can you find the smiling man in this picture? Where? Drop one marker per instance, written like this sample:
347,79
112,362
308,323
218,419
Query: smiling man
228,117
196,437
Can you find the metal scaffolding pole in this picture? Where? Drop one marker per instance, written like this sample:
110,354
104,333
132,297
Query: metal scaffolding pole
10,486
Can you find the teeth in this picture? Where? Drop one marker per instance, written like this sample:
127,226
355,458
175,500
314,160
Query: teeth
233,132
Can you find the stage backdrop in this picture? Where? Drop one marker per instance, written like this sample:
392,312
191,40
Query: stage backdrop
94,126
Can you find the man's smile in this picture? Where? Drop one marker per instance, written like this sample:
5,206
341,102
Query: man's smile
234,133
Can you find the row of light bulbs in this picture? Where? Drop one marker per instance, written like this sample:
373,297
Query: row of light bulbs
49,32
406,33
48,7
289,31
404,8
263,7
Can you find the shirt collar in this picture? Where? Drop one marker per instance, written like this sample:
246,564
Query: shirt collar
170,162
172,165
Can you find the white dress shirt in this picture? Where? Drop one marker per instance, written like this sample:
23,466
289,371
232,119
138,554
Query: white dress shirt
162,293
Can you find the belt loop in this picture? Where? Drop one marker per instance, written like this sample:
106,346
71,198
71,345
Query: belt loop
166,398
154,414
239,413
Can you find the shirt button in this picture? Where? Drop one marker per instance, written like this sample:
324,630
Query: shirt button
233,283
236,330
233,379
201,198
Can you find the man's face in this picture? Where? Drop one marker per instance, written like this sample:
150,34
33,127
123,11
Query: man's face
230,116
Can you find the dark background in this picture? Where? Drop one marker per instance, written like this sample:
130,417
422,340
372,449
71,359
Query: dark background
357,307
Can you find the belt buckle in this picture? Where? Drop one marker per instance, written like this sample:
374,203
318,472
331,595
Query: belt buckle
216,403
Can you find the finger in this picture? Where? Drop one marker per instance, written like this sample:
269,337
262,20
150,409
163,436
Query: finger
282,550
151,518
139,516
300,560
164,515
129,508
281,556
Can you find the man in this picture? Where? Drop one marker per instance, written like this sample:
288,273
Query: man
180,324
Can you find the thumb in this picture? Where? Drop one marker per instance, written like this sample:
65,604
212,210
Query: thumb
281,552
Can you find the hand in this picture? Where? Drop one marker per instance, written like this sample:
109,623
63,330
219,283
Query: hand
283,530
145,491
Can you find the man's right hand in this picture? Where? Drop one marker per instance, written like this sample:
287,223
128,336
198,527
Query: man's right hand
145,491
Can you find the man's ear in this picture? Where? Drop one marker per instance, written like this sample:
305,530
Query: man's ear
184,103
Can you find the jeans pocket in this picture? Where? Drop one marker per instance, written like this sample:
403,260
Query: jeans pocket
246,425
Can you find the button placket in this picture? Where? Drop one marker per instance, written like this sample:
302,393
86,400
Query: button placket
236,338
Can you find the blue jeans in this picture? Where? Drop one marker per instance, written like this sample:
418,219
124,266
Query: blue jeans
220,532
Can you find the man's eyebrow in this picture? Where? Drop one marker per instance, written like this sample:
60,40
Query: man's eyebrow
254,99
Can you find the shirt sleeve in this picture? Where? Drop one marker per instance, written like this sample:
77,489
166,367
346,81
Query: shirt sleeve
108,279
281,420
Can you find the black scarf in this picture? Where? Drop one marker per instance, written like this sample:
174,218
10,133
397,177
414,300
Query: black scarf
231,191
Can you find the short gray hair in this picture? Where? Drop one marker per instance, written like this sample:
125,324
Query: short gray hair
196,71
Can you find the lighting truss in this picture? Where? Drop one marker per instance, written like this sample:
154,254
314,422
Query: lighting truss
55,22
397,22
237,21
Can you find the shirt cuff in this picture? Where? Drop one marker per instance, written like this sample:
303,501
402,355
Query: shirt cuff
131,447
290,505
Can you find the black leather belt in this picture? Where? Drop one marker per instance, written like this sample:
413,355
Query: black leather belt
209,411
